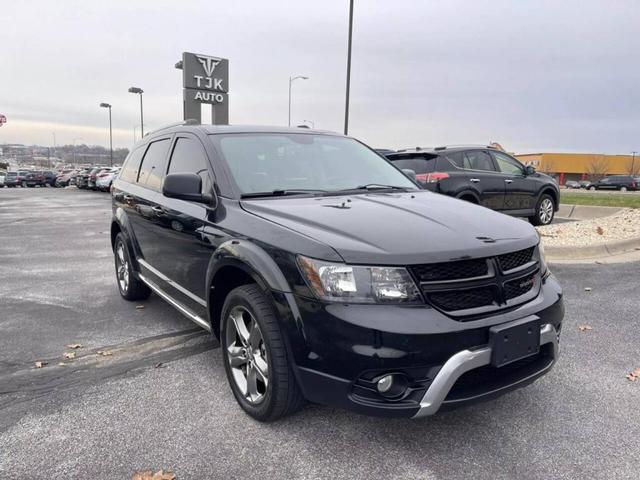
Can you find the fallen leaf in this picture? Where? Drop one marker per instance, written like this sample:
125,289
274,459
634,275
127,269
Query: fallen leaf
633,376
105,353
159,365
62,364
75,346
139,307
149,475
584,328
69,355
41,364
587,289
599,231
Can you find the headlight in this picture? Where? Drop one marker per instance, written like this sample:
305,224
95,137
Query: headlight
338,282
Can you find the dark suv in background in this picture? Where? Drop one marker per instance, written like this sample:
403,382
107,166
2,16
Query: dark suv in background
616,182
485,176
326,274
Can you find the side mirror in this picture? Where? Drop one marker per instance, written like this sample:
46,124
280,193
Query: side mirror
410,173
530,169
184,186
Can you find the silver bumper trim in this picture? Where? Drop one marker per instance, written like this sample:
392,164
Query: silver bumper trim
464,361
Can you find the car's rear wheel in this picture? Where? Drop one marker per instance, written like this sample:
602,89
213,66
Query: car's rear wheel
623,189
592,188
545,210
129,286
255,356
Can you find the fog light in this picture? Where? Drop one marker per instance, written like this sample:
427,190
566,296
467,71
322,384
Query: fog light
385,384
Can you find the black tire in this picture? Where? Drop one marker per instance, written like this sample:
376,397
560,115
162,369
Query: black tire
592,188
131,289
545,210
282,395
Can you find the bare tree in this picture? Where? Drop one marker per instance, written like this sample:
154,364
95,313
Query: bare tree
598,167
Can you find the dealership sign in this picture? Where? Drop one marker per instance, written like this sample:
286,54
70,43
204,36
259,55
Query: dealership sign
205,79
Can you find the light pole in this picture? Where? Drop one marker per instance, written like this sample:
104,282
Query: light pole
108,105
140,92
346,105
313,124
291,80
74,149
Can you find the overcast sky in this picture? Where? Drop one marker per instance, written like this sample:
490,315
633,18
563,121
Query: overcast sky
534,75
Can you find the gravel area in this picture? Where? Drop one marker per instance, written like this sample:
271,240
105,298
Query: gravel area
622,225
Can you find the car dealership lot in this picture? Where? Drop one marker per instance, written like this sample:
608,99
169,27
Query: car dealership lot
161,399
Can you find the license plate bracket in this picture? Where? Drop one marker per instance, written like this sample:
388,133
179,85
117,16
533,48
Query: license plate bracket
514,341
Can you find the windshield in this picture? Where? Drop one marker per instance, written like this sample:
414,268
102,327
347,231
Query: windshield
267,162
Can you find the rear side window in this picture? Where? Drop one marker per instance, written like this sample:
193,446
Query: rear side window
506,164
419,164
153,165
130,168
478,160
457,158
189,157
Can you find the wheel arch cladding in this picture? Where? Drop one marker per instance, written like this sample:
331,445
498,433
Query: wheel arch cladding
236,263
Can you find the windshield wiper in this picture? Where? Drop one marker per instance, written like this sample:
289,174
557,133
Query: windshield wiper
283,192
375,186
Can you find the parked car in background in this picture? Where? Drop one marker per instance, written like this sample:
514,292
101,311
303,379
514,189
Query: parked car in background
64,178
93,175
616,182
12,179
284,258
82,177
485,176
585,183
105,178
49,178
572,184
35,179
2,176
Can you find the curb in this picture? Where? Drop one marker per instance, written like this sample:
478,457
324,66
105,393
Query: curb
585,212
592,251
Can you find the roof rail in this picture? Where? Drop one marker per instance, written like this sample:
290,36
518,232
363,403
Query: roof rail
444,147
188,121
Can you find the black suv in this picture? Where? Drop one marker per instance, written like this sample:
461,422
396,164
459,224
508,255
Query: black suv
326,274
485,176
616,182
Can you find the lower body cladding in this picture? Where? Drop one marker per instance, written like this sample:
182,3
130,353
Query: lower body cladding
412,361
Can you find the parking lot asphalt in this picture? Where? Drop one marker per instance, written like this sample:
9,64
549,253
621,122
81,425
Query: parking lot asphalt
161,400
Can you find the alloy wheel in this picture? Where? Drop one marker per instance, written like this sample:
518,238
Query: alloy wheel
247,356
122,268
546,211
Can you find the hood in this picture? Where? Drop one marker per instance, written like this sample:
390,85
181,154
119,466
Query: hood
398,228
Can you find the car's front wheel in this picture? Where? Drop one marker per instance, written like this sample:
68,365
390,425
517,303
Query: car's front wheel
623,189
592,188
129,286
255,357
545,210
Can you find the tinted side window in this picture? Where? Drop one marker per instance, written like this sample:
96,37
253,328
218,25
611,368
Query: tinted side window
478,160
457,158
506,164
417,164
129,171
189,157
153,165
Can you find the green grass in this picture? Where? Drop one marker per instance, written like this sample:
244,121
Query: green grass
601,199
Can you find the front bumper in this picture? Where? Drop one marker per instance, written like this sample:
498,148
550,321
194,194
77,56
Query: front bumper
340,351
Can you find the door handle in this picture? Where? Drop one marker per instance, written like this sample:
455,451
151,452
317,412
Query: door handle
508,181
158,209
127,198
474,180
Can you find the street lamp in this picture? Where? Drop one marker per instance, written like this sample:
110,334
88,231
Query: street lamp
140,92
108,105
346,105
313,124
291,80
74,149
